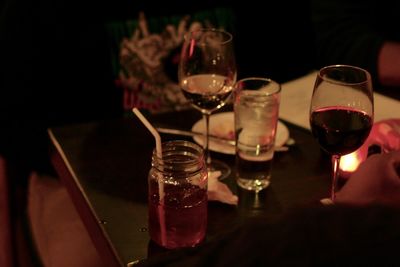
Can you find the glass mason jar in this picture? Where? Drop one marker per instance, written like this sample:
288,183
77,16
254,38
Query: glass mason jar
177,195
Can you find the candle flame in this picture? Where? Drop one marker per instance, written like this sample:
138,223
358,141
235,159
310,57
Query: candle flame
350,162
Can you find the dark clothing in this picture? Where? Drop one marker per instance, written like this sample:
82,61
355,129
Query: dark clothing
53,71
353,31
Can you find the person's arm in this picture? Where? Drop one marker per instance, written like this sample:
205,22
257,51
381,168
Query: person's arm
389,64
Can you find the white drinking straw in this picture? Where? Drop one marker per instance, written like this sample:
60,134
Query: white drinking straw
157,137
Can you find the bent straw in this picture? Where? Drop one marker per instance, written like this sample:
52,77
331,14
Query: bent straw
157,137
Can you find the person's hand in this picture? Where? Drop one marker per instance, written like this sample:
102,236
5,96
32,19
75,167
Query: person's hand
377,181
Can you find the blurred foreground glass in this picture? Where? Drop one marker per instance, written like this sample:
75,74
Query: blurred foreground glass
341,112
256,109
207,74
177,185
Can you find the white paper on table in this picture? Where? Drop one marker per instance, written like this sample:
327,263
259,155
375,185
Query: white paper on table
296,98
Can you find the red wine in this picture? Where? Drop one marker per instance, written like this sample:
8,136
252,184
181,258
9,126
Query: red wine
340,130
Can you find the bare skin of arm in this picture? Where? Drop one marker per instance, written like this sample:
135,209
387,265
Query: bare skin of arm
389,64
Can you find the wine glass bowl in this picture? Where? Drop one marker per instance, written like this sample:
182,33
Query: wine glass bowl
207,69
341,112
207,92
207,74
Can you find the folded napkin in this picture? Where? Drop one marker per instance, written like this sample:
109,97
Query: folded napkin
377,180
385,134
218,191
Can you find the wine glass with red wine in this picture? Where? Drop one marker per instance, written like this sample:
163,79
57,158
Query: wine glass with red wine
207,75
341,112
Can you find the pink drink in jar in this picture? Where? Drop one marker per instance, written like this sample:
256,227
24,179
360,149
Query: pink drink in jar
178,196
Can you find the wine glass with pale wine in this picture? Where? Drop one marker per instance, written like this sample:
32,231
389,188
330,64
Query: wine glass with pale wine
207,74
341,112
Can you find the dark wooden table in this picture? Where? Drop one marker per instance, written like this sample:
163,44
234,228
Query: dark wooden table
104,166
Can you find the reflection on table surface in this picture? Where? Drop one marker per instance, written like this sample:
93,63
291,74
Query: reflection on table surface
105,165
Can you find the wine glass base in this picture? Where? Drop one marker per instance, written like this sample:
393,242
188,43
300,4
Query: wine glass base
219,166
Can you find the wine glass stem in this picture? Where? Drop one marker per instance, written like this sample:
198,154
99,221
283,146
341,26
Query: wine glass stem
206,150
336,162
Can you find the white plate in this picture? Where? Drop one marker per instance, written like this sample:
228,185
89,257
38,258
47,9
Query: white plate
222,124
